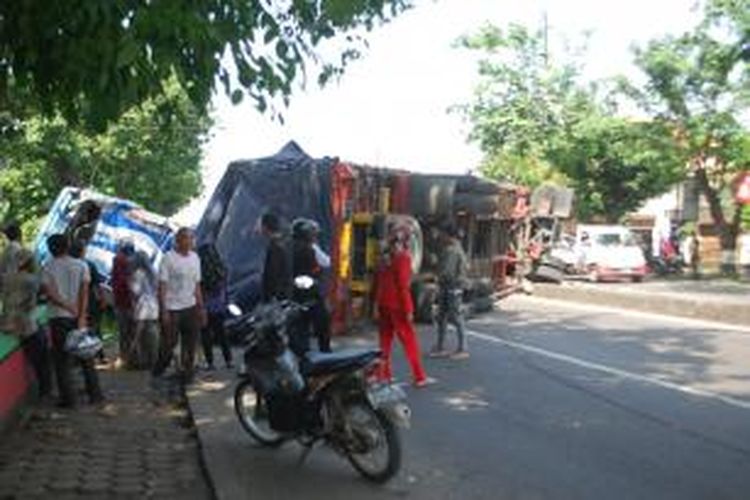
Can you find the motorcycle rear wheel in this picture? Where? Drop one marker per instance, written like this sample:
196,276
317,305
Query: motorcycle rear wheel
373,433
253,415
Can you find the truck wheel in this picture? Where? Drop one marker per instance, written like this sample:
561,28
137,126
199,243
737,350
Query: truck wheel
476,185
482,204
547,274
431,195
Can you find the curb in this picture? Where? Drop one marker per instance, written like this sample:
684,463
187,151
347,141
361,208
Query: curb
185,399
709,309
217,490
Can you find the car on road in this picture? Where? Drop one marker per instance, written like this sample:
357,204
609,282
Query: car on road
601,252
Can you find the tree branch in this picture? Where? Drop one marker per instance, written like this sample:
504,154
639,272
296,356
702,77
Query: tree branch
712,196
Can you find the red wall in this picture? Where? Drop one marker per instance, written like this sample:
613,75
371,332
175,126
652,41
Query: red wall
15,382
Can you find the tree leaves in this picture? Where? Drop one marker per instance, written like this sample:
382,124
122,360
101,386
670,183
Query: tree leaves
92,60
150,155
536,122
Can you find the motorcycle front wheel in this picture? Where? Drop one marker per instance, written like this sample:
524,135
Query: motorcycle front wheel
253,414
374,446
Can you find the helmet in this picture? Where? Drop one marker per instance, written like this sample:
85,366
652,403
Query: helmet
304,229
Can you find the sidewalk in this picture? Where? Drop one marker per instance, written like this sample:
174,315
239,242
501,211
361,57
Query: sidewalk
719,300
140,444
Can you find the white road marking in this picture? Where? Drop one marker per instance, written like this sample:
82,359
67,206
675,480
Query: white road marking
682,321
738,403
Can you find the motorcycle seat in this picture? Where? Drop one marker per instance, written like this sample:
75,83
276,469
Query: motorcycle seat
321,363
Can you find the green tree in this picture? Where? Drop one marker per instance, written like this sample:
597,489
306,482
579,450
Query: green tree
518,104
698,84
615,164
95,59
150,155
537,122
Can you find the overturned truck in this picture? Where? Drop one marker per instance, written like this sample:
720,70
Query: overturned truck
352,203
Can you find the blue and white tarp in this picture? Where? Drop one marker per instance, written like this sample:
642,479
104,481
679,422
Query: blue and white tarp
120,220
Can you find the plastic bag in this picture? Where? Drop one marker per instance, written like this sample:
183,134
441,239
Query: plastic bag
83,343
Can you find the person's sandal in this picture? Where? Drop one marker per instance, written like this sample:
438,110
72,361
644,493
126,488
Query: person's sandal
438,353
421,384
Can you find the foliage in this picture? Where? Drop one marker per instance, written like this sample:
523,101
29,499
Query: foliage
745,218
687,229
536,122
698,84
518,102
150,155
95,59
530,170
615,164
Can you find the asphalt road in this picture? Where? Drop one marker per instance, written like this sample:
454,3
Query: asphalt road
556,402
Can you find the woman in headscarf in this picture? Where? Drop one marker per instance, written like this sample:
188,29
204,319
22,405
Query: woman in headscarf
395,306
144,346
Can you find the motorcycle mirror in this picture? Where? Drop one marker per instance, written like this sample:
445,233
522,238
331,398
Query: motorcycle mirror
234,310
303,282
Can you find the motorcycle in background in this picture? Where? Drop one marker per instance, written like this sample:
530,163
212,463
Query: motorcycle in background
314,397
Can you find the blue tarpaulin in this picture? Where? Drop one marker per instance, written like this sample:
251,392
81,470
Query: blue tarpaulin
290,184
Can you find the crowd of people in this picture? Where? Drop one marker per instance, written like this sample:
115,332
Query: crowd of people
153,310
185,301
65,282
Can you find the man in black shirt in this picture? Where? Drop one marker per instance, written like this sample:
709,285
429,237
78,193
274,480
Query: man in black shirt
276,279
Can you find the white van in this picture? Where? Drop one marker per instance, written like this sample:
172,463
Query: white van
609,252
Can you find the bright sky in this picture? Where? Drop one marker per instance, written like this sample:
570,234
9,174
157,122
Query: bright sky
389,109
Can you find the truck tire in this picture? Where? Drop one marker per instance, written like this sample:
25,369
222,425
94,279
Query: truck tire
430,195
482,305
476,185
416,239
547,274
554,262
482,287
478,204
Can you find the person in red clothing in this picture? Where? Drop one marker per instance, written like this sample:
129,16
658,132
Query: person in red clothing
395,307
123,297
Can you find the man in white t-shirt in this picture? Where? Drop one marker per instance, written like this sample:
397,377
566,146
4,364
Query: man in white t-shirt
181,304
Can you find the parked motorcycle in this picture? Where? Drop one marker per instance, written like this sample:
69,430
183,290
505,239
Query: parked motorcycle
663,267
314,397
